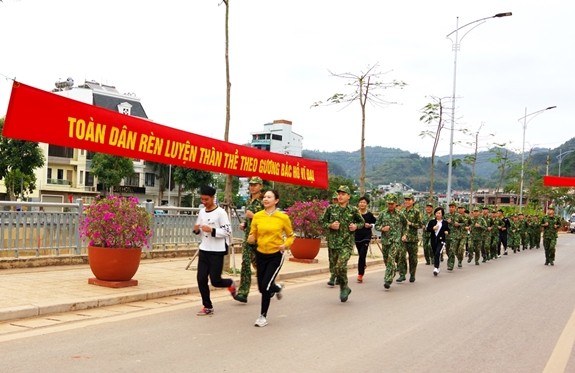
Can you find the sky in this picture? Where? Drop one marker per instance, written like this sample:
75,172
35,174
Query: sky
170,54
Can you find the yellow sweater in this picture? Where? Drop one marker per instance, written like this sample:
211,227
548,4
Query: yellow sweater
271,231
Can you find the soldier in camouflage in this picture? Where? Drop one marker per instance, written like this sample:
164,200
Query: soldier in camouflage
248,251
390,224
486,243
412,218
426,236
522,224
478,226
551,225
450,218
340,222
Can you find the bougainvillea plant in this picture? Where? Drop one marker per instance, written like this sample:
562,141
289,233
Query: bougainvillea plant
116,221
305,218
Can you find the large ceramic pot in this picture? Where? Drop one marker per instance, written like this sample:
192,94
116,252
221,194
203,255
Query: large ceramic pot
305,248
111,264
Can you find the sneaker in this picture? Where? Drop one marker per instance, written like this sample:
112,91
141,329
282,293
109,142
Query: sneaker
360,278
205,312
344,294
435,271
386,285
279,293
459,265
261,321
241,298
233,289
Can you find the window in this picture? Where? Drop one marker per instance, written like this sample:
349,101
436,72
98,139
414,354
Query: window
89,181
150,179
277,137
60,174
81,176
133,180
60,151
49,173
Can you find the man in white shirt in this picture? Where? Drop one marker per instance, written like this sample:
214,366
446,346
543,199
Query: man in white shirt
214,226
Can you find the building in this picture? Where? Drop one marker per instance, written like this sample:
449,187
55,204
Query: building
66,174
278,137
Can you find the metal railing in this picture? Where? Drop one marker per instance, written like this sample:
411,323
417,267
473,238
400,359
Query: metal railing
43,229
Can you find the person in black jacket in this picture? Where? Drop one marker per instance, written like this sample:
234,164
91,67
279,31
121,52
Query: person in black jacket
363,236
503,224
439,229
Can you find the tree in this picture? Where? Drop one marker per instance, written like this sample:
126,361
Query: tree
18,160
501,159
432,112
111,169
229,177
365,87
162,172
189,179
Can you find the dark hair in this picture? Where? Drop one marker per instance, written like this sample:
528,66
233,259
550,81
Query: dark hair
206,190
364,198
275,193
439,209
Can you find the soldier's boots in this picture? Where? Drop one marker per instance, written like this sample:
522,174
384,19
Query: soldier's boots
344,294
401,278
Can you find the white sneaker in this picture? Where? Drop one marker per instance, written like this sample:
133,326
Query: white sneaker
261,321
435,271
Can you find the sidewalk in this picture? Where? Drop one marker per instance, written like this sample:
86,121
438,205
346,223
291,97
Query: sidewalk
31,292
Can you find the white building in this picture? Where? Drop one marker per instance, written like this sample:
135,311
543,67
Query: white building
278,137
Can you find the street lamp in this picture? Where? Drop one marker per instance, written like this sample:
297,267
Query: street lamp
560,157
455,47
525,121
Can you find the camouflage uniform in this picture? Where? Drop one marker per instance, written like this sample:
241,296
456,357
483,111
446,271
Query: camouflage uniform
390,240
412,218
486,243
248,253
551,225
478,227
457,234
495,241
426,237
340,242
522,226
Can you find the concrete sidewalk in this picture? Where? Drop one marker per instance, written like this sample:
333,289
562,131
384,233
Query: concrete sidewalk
31,292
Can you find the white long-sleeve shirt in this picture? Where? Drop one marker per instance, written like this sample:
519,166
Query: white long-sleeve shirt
216,240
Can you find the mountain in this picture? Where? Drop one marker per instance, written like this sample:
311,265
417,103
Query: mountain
387,165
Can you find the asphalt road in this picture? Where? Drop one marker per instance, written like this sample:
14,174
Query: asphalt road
509,315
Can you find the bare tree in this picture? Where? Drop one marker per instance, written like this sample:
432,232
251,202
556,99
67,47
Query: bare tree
432,112
365,87
229,178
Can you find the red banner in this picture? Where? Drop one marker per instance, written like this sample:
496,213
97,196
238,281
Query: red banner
559,181
41,116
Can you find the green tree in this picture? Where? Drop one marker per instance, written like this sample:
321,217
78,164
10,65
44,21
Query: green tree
111,169
18,160
365,89
189,179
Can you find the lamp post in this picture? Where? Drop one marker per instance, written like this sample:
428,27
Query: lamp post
560,157
455,47
525,121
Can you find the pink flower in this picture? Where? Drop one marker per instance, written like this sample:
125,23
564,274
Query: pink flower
305,218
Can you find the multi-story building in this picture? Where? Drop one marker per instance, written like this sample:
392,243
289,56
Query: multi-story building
66,174
278,137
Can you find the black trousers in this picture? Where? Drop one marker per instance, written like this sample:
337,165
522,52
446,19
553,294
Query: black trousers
268,266
362,248
437,250
211,264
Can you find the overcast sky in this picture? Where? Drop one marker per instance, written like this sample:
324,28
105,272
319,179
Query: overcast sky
171,55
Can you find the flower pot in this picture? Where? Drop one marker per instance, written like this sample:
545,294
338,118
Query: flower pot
114,264
305,248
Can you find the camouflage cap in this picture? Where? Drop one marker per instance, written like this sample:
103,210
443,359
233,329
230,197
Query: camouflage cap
408,196
391,198
476,208
255,180
334,196
344,189
429,203
453,204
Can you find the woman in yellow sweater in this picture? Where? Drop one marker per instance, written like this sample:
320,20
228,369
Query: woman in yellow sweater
272,231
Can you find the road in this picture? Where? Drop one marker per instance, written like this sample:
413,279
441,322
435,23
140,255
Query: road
509,315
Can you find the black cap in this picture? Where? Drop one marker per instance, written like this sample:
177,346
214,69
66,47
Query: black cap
206,190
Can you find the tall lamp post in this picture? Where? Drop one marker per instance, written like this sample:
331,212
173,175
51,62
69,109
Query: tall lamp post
455,46
525,121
